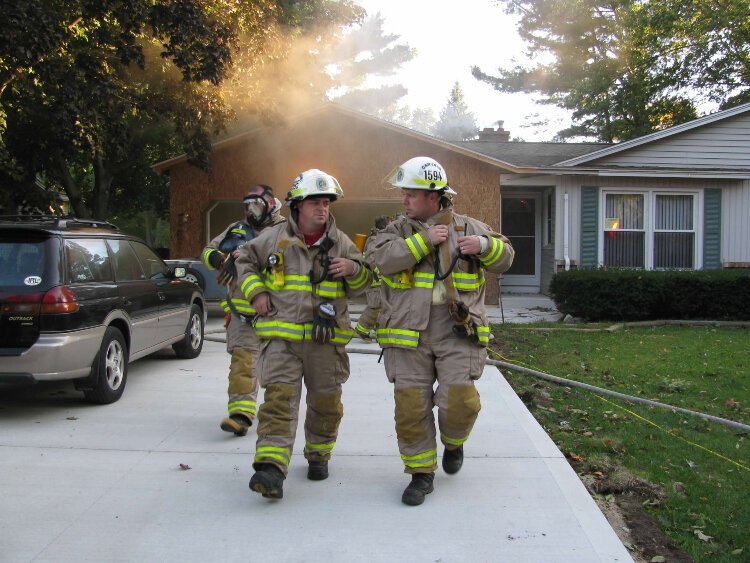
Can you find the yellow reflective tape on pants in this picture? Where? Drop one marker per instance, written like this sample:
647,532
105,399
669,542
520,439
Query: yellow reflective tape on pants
453,441
242,406
309,446
425,459
272,452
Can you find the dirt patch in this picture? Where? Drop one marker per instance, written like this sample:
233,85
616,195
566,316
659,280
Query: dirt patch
621,499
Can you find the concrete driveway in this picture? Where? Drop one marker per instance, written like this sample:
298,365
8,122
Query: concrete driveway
153,478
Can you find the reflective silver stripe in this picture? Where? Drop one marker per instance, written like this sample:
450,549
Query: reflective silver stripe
424,459
402,336
494,253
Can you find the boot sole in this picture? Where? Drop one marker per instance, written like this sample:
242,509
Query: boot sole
234,427
266,491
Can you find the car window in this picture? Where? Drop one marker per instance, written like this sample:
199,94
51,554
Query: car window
127,266
23,261
87,260
152,264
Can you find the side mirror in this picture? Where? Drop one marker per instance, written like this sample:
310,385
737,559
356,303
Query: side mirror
180,272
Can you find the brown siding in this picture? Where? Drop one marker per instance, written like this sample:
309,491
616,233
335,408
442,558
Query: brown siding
358,153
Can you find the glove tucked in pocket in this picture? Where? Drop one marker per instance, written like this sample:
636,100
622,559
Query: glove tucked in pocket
324,323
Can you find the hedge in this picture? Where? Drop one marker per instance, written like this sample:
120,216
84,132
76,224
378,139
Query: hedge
636,295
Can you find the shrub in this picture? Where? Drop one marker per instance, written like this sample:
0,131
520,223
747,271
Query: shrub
634,295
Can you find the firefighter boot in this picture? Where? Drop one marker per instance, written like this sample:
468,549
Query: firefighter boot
237,423
453,460
268,480
317,470
421,485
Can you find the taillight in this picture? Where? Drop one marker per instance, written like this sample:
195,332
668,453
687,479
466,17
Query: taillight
59,299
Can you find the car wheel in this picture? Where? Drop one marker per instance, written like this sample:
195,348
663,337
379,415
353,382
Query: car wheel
111,369
195,277
192,344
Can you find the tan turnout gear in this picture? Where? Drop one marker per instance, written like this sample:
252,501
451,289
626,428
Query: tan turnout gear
279,263
423,341
242,343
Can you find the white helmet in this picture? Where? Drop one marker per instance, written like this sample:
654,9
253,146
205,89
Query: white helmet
312,183
421,173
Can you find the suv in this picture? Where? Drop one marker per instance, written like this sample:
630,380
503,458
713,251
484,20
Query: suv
79,300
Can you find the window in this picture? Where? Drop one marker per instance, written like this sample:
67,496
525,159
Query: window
651,230
127,267
152,264
87,260
549,218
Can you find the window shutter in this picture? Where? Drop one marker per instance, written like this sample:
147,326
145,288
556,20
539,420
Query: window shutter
589,227
712,229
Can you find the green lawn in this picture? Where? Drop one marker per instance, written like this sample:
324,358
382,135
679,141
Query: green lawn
694,474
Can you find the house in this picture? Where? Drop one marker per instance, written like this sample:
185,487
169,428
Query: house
679,198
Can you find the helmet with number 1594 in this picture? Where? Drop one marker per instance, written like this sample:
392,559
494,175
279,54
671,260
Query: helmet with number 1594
421,173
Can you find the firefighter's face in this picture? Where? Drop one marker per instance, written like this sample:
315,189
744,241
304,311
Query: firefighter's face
313,213
420,204
258,205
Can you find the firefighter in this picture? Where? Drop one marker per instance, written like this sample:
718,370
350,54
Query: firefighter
369,317
298,277
433,325
262,210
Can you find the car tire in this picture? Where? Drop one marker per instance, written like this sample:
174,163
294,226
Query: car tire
111,369
192,344
195,277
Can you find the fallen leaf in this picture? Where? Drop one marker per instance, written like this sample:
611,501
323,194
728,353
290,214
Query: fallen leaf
185,466
737,551
658,559
701,536
72,418
731,403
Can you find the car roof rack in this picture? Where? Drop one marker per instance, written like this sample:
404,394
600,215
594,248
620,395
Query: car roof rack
58,221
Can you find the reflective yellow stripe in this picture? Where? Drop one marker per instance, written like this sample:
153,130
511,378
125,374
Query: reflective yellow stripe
424,279
242,406
402,336
272,452
425,459
251,283
361,278
467,281
238,232
322,450
453,441
293,282
417,246
391,282
240,305
494,253
206,253
331,289
483,334
297,332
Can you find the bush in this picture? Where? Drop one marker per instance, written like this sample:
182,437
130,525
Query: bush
635,295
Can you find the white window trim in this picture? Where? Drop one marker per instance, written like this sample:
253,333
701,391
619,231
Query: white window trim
648,220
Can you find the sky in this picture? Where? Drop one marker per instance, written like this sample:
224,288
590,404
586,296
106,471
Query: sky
451,36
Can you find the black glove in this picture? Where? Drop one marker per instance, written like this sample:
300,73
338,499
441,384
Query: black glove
228,272
215,259
324,322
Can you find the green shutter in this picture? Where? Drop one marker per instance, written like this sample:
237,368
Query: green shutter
712,229
589,227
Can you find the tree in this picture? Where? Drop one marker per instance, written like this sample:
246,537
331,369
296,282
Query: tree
363,54
88,88
612,63
456,122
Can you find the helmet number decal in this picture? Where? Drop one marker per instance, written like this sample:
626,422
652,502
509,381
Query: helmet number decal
433,175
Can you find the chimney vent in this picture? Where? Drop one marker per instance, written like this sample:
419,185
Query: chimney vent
498,135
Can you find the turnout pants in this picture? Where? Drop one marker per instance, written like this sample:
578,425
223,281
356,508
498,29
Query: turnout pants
284,366
243,345
454,363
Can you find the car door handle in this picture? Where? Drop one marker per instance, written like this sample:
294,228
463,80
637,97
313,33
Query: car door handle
162,297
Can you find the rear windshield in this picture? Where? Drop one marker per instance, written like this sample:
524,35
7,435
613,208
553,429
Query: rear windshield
29,261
